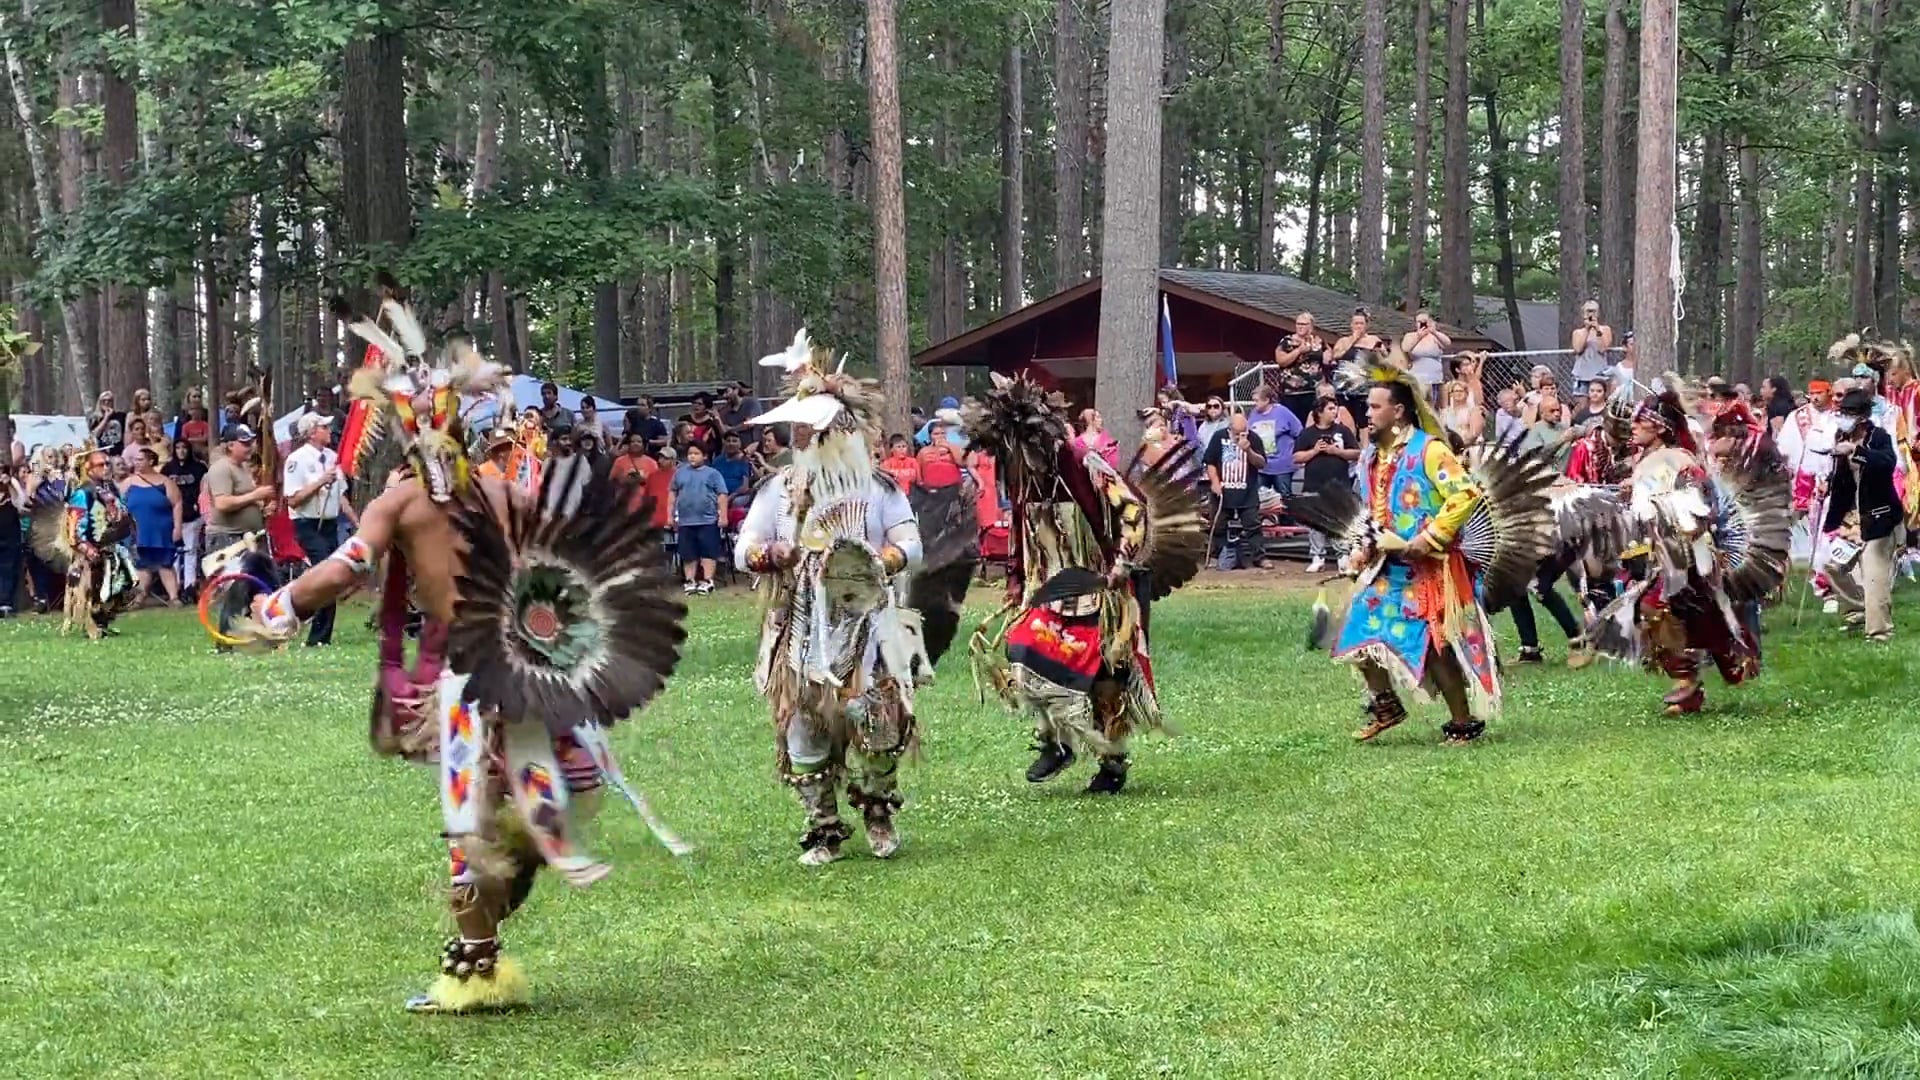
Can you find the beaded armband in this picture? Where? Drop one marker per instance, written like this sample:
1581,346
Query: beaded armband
357,554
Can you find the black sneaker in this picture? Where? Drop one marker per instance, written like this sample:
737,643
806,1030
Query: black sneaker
1053,758
1530,654
1111,777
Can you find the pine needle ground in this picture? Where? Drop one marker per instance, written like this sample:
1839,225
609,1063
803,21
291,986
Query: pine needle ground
208,874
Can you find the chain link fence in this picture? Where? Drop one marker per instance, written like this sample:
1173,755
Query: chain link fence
1498,369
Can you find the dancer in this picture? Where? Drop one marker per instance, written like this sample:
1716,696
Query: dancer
81,536
858,608
1432,548
1091,548
546,622
1716,541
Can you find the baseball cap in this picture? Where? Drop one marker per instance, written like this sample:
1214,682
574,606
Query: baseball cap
310,421
949,402
237,433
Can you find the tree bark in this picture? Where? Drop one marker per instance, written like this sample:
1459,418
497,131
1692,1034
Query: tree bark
1174,149
1573,164
125,330
658,285
1012,178
1456,236
1616,169
1700,334
1130,291
889,211
1653,314
1274,128
1504,270
1422,154
1750,271
373,149
1886,280
1070,111
1868,115
1370,252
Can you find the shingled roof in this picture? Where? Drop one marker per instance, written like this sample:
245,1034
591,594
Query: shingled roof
1286,297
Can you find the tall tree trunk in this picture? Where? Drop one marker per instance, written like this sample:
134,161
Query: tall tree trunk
1456,236
597,160
889,210
1422,154
1174,150
1505,270
1616,170
1070,111
658,285
1341,244
1887,285
125,338
626,162
1869,134
1273,124
1130,290
270,336
71,97
80,362
1370,254
1573,164
486,177
1653,314
1012,177
373,147
1750,270
1700,334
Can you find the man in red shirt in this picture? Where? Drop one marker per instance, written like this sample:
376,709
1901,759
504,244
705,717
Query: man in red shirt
900,462
938,469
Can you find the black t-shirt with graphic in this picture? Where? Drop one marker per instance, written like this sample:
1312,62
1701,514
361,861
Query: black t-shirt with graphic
1326,471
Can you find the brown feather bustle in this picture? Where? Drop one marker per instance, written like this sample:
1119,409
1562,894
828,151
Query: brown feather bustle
1512,528
1021,423
1176,523
611,553
1755,531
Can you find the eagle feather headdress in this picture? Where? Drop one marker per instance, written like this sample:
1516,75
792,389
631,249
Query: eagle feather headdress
410,391
820,392
1854,349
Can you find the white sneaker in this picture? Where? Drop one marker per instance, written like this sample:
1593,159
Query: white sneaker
1318,564
1831,607
689,588
706,587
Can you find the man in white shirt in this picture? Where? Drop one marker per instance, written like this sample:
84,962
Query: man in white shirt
316,497
1805,443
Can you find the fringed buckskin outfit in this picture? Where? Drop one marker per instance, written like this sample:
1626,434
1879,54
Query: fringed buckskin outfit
563,626
843,647
1717,541
84,535
1091,548
1418,621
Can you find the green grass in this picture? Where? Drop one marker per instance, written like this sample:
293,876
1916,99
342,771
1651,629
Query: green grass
206,873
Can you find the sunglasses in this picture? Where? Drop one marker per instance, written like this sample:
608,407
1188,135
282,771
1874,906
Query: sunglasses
1214,405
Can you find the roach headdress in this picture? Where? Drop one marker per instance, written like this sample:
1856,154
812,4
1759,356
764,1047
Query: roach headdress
1369,368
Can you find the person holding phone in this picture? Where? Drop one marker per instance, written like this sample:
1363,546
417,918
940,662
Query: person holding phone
1233,459
1327,451
1424,345
1589,345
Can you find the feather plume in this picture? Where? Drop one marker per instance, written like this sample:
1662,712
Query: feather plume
369,331
1512,528
1320,626
1176,524
413,339
1839,350
1754,528
472,373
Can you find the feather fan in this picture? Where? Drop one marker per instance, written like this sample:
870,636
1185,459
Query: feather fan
1511,530
1176,541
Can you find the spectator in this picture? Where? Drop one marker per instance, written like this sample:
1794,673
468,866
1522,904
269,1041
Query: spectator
135,442
555,417
1460,412
736,469
186,472
1301,356
900,462
1327,452
632,469
315,493
154,504
641,421
1358,337
923,432
659,487
939,465
1508,426
196,430
1551,432
16,450
1424,345
106,425
1864,509
327,404
1094,439
15,505
589,422
1156,439
699,505
240,502
1540,382
1325,388
1589,345
1593,406
1233,460
1277,428
735,407
499,461
1777,397
143,408
703,426
1213,422
772,450
190,400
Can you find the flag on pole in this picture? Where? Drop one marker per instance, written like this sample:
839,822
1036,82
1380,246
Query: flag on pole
1170,369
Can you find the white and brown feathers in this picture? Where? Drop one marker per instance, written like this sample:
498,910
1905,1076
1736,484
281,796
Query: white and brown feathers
1512,529
567,609
1754,531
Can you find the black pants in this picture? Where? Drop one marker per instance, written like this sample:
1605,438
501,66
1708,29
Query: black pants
1556,606
1250,545
318,538
9,574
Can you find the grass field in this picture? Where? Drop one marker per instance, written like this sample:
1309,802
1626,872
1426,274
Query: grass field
208,874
